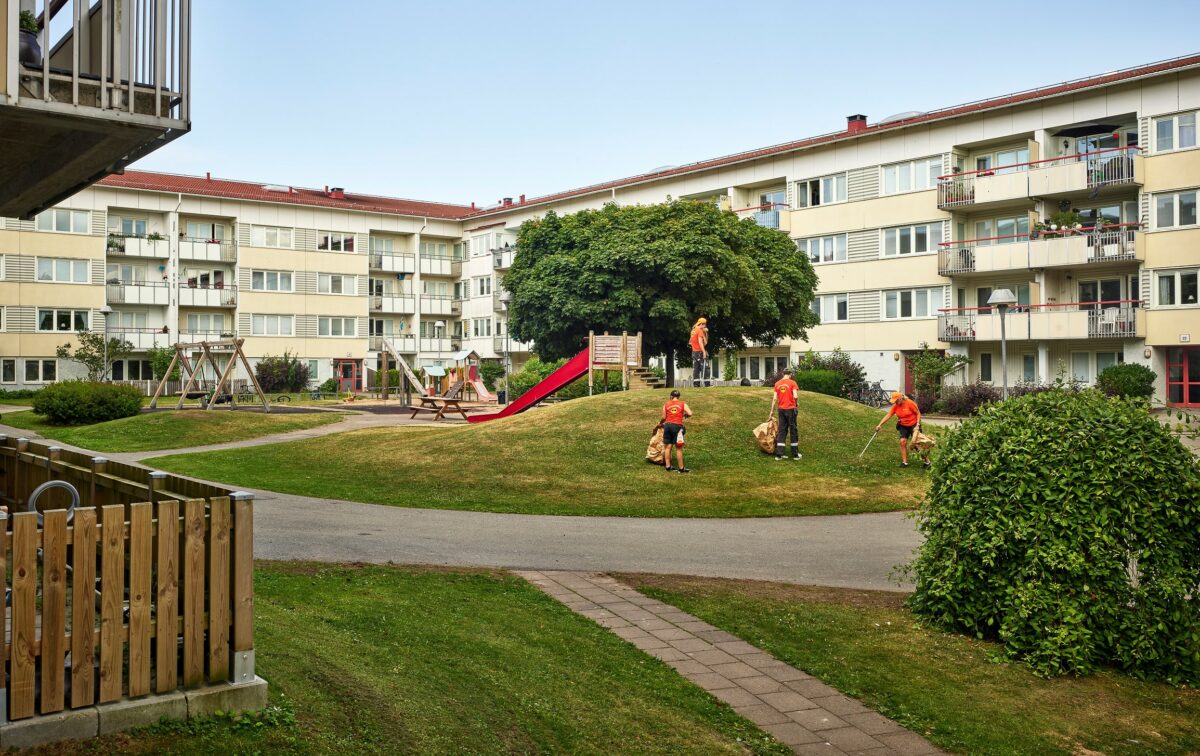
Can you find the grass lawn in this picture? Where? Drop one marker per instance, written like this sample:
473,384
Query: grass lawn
586,457
944,686
169,430
407,660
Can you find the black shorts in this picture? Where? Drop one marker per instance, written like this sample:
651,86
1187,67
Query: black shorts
906,431
672,435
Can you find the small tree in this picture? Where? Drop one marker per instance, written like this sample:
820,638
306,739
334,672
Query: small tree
286,373
90,353
160,359
489,372
929,368
730,371
1128,380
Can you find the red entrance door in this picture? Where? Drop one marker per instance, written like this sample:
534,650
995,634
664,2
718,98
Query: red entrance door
348,378
1183,376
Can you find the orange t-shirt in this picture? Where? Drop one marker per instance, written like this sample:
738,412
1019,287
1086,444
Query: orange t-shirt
785,389
673,411
695,341
907,412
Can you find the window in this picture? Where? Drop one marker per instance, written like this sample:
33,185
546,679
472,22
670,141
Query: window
1001,230
435,288
330,283
1175,209
823,249
1105,360
132,370
382,245
821,191
481,327
335,241
271,236
754,368
271,325
126,226
1081,366
270,280
205,231
1177,288
909,240
117,273
38,371
985,367
912,175
831,308
64,221
8,371
62,270
1008,160
129,319
335,326
912,303
1176,132
1028,368
483,286
63,320
461,289
435,249
480,245
201,322
312,371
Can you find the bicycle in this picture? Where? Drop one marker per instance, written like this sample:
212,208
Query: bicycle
872,395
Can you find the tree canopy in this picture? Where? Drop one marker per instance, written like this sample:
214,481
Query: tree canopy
655,269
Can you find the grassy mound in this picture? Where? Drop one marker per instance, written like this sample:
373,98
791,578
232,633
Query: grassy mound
169,430
587,457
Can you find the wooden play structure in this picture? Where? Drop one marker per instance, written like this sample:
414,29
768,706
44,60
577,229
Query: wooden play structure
193,388
616,353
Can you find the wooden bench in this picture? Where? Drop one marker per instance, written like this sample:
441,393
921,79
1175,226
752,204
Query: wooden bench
440,404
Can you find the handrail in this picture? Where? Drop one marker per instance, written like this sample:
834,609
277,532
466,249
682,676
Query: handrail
202,240
1046,232
993,171
119,282
214,287
767,206
134,329
989,308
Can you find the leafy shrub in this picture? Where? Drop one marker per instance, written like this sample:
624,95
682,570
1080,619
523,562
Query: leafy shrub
1025,388
729,369
1127,380
7,395
854,376
1066,526
929,368
160,359
330,386
967,399
489,372
86,402
285,373
534,371
821,381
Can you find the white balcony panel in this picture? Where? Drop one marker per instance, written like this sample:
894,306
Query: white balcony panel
136,247
207,297
436,346
436,266
401,305
141,294
143,338
190,249
394,263
435,305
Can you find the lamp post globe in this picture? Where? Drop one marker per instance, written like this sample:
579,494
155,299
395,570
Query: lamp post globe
1002,299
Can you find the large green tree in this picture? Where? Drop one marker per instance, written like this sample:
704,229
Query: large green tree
655,269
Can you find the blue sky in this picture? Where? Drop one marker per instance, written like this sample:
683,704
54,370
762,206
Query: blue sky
472,101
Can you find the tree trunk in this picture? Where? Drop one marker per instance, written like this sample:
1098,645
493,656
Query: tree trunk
670,367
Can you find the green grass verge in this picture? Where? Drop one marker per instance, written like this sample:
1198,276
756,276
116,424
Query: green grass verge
945,686
404,660
150,431
586,457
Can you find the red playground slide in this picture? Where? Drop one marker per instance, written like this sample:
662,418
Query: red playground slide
575,368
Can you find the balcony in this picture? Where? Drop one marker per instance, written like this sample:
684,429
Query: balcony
435,266
137,246
767,216
400,342
209,250
436,304
500,344
456,306
399,304
143,338
137,292
502,258
1090,172
192,337
207,296
109,88
393,263
1121,319
436,346
1050,249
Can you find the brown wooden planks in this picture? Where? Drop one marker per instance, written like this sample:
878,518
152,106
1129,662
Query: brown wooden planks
218,589
141,555
54,610
193,593
83,608
243,575
167,598
112,600
24,615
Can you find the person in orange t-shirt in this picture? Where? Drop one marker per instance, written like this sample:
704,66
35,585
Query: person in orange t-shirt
908,419
675,411
698,341
786,390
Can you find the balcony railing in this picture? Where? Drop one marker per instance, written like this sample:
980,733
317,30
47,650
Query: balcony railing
436,304
137,246
400,342
502,258
435,265
1077,246
212,250
142,338
137,292
402,304
500,345
195,295
1073,320
1115,165
766,216
393,263
187,336
436,346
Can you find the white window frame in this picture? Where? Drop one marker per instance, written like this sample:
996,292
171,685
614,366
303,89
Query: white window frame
1175,119
41,363
8,362
77,221
1091,376
325,283
435,249
1176,274
335,241
896,233
260,280
261,325
837,244
837,185
345,328
75,264
261,236
1175,204
212,235
214,322
482,287
928,168
54,311
1029,356
933,302
829,302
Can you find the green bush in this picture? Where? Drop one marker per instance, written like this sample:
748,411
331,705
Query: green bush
1066,526
285,373
854,376
821,381
10,395
84,402
1127,380
330,386
489,372
534,371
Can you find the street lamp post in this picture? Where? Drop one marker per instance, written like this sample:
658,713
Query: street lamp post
1003,299
505,297
106,311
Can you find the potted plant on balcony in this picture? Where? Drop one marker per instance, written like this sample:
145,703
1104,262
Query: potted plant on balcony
155,237
31,51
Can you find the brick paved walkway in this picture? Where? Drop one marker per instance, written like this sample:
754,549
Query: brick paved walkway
797,709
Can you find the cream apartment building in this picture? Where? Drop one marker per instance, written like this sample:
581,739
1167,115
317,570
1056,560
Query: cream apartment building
911,223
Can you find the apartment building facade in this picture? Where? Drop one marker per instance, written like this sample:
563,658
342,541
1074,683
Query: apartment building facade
911,224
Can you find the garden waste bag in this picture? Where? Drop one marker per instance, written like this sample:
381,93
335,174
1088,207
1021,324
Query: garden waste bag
654,452
765,433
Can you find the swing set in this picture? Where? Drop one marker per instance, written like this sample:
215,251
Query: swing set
196,385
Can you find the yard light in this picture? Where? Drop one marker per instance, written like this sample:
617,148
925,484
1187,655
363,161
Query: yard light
105,311
1003,299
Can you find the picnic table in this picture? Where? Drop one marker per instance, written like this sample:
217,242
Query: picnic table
439,405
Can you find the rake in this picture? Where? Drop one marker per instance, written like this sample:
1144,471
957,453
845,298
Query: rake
868,446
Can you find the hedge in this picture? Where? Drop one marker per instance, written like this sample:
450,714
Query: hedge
85,402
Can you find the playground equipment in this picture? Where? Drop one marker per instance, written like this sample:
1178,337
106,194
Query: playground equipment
604,352
406,371
208,352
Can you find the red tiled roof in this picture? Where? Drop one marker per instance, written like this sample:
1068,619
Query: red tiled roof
933,115
245,190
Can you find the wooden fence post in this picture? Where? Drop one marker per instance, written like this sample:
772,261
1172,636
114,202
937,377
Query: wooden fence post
243,587
167,598
54,610
83,608
99,464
